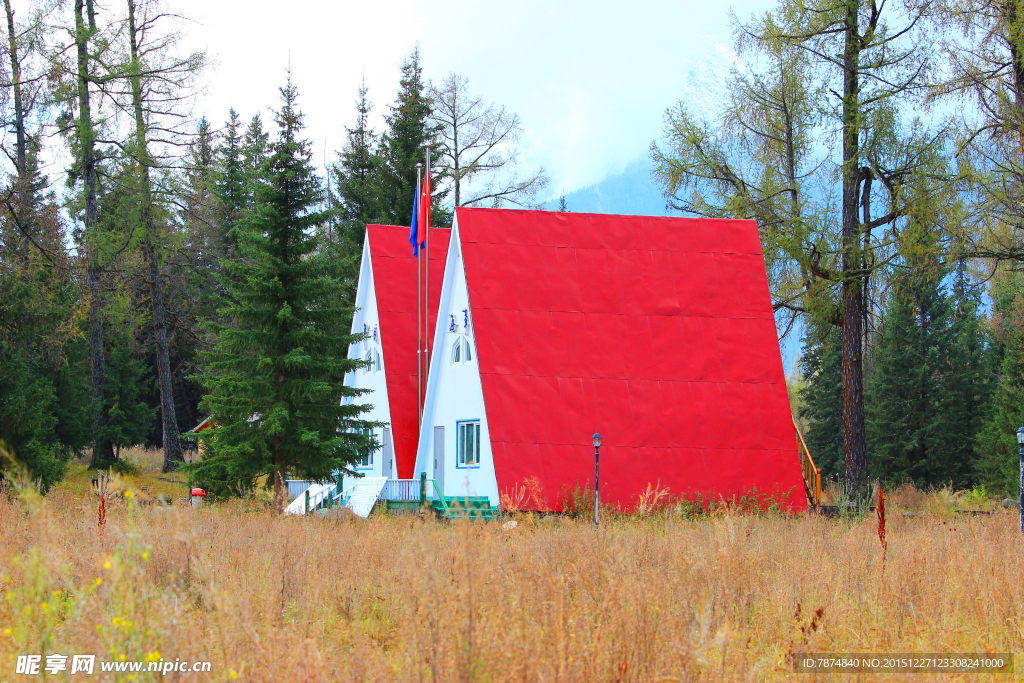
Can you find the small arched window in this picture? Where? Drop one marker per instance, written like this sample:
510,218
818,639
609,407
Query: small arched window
457,351
377,365
369,360
468,354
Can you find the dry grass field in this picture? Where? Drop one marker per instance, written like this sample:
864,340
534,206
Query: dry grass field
724,597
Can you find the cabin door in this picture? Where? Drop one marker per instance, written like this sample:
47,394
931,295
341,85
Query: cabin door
388,463
439,457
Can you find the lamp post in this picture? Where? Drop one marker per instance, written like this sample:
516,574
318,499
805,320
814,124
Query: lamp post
597,472
1020,443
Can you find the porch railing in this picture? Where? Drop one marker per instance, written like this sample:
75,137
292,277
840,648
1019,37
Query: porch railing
296,487
812,475
402,489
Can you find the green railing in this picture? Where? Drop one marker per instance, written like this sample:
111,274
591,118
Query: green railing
440,497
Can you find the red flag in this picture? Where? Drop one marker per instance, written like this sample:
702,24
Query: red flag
425,202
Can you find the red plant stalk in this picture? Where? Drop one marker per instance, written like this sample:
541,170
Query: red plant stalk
881,523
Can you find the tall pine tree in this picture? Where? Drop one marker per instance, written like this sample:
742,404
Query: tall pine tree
276,374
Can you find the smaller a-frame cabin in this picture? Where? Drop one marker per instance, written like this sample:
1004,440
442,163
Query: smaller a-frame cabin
656,332
386,313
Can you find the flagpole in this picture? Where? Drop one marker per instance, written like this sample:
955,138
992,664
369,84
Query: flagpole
419,324
426,283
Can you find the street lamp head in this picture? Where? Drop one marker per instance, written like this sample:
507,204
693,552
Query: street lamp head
597,439
1020,436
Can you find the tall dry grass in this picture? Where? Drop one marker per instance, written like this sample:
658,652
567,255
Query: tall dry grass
270,598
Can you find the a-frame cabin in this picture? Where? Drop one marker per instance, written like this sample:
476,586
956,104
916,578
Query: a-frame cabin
656,332
386,312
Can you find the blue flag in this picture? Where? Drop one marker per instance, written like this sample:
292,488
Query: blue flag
414,232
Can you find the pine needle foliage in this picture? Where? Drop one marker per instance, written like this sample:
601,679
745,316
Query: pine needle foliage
276,373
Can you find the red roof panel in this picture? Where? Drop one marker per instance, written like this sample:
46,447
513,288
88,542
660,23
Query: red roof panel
394,281
657,332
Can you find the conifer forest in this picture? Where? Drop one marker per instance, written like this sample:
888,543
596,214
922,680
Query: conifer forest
157,267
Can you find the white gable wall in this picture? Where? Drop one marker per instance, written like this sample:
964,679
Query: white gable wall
454,391
369,378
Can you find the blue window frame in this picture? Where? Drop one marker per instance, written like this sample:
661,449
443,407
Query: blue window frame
366,460
468,443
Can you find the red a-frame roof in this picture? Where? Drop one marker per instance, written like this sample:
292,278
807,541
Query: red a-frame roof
394,281
656,332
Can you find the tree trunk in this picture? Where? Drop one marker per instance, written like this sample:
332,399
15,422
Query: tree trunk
102,451
19,111
1018,71
279,489
22,200
854,434
173,456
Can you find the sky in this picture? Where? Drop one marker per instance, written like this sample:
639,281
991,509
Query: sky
589,80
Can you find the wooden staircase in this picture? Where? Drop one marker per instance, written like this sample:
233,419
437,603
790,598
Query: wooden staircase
812,475
462,507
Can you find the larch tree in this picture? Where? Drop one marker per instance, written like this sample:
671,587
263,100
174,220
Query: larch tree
84,33
829,206
478,148
159,82
276,373
984,81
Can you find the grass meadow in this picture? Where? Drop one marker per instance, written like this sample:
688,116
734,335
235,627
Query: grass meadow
721,597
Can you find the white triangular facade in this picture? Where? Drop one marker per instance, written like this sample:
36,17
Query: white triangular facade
380,463
455,446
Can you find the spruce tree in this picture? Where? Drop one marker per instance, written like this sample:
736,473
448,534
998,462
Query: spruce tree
821,408
403,146
255,150
129,418
929,388
355,198
997,464
229,185
910,366
276,373
974,368
356,175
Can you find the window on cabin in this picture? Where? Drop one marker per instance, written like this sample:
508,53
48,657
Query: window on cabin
461,352
469,443
365,452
